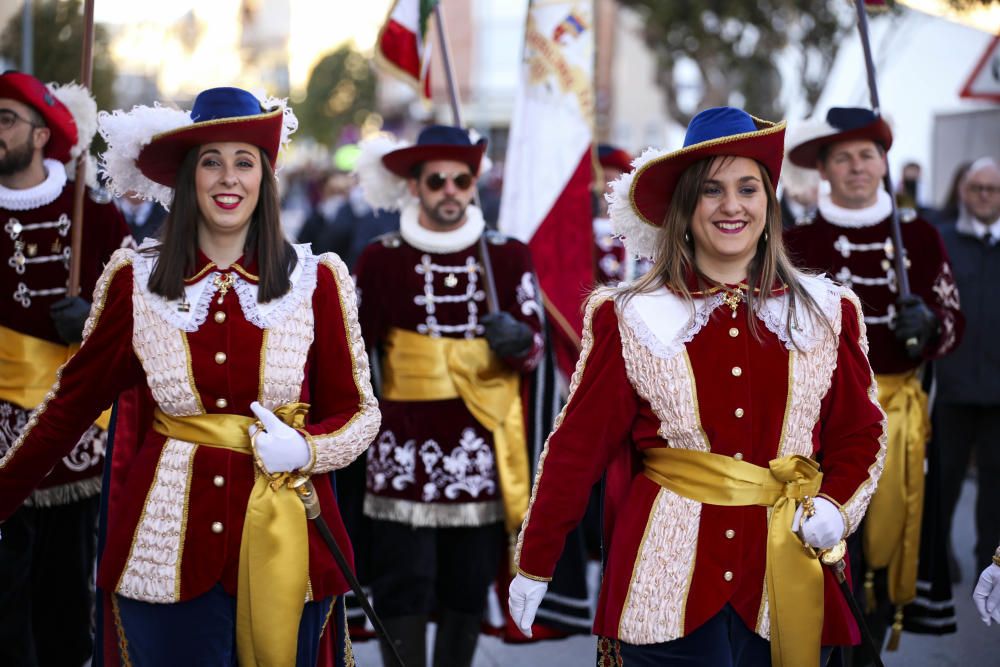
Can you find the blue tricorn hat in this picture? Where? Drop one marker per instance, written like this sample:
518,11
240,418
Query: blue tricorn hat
843,124
712,132
218,114
436,142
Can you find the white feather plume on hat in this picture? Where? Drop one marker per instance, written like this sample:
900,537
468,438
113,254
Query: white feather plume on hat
638,236
83,107
289,121
126,132
382,188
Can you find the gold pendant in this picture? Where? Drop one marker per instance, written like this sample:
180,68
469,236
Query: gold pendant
32,249
732,299
450,281
223,282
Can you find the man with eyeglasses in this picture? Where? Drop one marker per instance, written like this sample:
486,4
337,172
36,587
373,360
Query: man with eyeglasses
447,477
967,413
48,546
850,238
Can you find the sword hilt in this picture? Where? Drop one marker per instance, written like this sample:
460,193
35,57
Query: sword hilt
304,488
834,558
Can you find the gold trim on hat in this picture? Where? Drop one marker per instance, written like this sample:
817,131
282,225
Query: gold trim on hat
768,129
217,121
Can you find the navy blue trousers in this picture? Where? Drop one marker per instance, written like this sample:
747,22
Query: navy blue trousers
202,631
723,641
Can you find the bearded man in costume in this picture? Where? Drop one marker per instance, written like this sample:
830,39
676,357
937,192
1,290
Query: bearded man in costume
48,547
447,477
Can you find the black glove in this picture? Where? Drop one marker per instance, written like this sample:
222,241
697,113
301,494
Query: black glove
69,314
505,335
916,324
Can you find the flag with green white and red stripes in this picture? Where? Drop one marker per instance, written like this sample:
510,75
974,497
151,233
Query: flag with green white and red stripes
403,48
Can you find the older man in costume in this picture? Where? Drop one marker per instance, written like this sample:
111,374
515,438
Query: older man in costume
447,478
48,547
850,238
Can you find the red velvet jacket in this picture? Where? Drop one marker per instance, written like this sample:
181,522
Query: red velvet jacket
35,249
649,376
176,509
859,254
433,463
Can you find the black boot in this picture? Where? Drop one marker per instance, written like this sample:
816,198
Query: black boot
455,642
409,635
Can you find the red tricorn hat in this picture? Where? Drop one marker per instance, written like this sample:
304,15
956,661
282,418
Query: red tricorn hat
219,114
843,124
26,89
436,142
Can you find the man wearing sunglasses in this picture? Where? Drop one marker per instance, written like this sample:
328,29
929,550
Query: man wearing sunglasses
48,546
447,478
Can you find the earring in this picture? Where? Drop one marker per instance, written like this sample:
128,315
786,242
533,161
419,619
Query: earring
765,236
687,237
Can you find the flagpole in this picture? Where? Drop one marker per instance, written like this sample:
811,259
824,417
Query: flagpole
80,187
899,253
492,302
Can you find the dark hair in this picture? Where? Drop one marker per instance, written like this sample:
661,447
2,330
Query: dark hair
178,247
770,263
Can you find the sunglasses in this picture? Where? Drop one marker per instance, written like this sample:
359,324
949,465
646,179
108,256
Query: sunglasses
436,181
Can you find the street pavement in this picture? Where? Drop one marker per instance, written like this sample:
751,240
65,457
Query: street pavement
974,645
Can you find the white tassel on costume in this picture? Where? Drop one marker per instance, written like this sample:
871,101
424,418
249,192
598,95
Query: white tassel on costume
382,188
126,132
639,237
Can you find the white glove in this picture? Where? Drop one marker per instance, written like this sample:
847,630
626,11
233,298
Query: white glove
280,447
987,594
823,529
525,596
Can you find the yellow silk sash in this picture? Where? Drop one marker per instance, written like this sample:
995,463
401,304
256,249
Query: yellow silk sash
422,368
793,574
274,551
892,525
28,367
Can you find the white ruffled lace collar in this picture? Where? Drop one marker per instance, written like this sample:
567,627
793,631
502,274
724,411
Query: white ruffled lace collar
663,322
856,217
199,294
39,195
426,240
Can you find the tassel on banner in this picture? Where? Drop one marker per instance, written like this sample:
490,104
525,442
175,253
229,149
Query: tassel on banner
897,630
869,592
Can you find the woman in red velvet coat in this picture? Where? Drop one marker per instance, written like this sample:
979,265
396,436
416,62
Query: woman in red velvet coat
730,401
243,358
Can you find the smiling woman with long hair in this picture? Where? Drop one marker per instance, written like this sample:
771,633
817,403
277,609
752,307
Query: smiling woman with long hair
727,399
240,371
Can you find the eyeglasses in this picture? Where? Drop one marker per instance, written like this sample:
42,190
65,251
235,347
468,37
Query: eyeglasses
436,181
979,189
8,118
